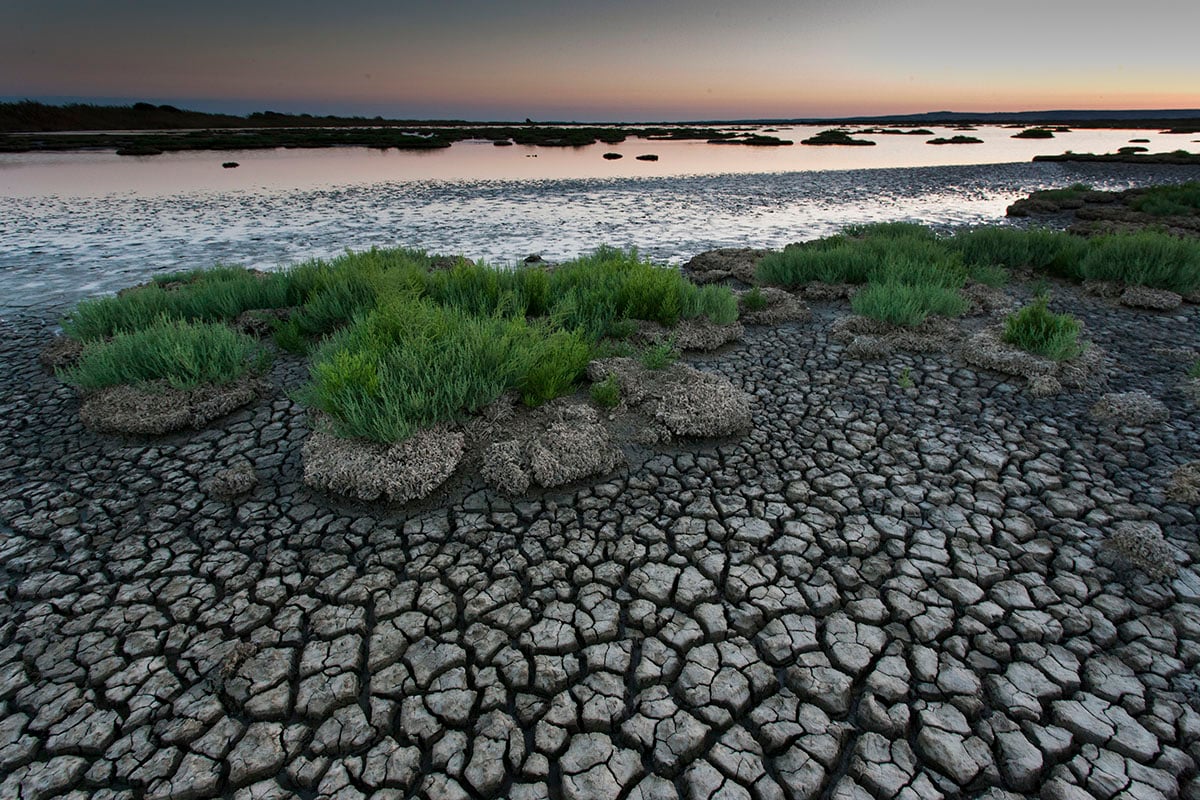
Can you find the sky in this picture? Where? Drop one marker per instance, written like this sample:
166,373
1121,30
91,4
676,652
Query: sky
604,60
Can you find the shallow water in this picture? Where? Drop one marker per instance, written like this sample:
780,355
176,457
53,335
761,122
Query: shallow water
66,232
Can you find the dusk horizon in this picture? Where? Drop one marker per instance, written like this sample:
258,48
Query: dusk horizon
245,107
673,62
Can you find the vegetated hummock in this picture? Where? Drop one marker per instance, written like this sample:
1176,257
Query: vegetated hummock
836,136
956,140
1174,208
909,273
1035,329
404,346
1034,133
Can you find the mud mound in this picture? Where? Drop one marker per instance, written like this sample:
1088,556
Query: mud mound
1142,545
724,263
683,400
781,307
867,338
1150,299
988,350
1130,408
158,408
691,334
62,351
397,472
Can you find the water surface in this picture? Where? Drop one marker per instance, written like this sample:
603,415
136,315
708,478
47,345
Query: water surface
77,224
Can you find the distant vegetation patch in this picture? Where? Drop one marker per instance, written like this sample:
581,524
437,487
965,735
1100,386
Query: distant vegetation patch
1034,133
836,136
956,140
1162,201
921,270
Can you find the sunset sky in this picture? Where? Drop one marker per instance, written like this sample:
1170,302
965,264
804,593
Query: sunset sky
604,59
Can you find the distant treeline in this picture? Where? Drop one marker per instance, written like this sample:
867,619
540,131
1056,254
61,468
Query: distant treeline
143,129
31,116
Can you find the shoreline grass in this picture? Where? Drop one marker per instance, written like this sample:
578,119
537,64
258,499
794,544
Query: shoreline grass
184,354
400,345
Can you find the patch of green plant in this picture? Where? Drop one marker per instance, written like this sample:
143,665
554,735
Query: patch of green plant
907,304
905,380
1073,192
1014,248
1194,370
224,295
988,275
411,363
890,230
184,354
288,336
550,363
1180,200
660,356
606,393
1035,329
834,137
754,300
1143,258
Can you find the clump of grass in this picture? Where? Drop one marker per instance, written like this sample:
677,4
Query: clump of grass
1068,193
184,354
989,275
606,393
905,381
411,363
754,300
1143,258
908,304
1036,329
890,230
1015,248
660,356
1180,200
221,296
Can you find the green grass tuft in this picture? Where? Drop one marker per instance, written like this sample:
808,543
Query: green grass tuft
754,300
1162,201
1143,258
185,354
908,304
1035,329
606,393
660,356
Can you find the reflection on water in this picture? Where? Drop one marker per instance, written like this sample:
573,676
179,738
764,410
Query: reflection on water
60,244
97,174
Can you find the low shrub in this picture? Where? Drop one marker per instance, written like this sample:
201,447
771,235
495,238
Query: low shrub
184,354
907,304
1143,258
1015,248
1038,330
754,300
660,356
606,393
1180,200
224,295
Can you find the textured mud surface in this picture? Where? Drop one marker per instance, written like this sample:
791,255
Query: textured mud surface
880,591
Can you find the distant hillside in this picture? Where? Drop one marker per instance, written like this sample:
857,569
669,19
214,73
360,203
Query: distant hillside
1142,118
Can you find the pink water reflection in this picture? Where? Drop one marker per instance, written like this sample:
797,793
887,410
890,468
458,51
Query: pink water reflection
91,174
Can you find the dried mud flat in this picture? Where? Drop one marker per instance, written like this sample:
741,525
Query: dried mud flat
951,590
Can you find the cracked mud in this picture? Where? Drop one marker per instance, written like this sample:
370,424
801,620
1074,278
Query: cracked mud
877,592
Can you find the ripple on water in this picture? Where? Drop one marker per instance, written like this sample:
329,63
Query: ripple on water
55,250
